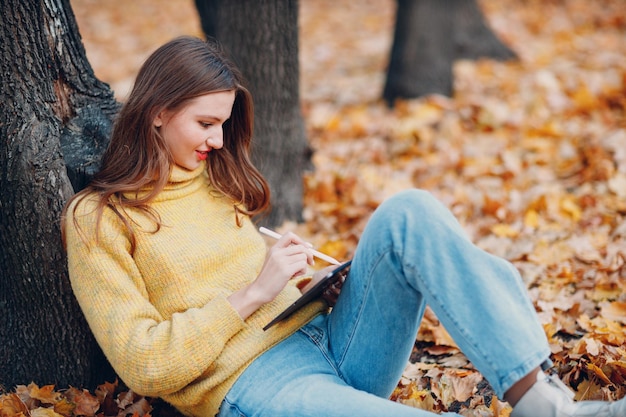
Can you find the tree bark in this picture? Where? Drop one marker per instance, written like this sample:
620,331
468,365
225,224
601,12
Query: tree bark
429,36
473,37
52,106
422,51
262,37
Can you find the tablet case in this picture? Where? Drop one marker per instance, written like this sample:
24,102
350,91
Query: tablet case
313,293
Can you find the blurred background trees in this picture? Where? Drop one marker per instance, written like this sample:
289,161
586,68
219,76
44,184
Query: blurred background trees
429,36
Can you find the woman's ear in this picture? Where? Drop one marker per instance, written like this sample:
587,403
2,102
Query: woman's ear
158,120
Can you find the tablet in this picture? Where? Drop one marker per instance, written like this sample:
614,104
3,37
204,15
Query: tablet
341,272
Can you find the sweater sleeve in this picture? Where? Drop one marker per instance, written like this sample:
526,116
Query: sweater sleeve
152,355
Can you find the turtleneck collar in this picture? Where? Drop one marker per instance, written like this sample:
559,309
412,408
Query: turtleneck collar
180,174
183,182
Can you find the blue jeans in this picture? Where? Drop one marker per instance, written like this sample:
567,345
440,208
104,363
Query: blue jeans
412,253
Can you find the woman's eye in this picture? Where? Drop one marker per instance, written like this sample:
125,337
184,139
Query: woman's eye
204,124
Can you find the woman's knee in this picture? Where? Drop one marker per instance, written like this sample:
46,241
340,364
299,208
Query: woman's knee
414,212
413,202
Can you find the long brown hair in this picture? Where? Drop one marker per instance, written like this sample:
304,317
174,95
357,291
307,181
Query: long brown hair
138,159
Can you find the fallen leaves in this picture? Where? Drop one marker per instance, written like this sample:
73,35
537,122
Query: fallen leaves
441,379
108,401
529,155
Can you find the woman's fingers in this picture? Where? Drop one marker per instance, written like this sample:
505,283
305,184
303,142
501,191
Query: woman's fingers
289,257
293,245
291,238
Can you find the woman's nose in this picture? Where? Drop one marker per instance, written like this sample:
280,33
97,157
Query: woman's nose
216,141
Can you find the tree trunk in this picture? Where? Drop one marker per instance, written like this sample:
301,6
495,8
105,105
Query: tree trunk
422,50
429,35
262,37
473,37
52,105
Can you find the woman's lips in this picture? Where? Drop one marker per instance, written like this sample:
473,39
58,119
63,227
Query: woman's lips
202,155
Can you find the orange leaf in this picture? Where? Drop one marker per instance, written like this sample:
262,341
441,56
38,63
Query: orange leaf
12,406
45,394
598,372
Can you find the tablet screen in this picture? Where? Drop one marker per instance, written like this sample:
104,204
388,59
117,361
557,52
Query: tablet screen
333,276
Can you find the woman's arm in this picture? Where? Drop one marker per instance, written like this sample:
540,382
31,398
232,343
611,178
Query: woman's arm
288,258
152,354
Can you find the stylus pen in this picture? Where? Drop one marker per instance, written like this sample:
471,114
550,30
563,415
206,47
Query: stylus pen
317,254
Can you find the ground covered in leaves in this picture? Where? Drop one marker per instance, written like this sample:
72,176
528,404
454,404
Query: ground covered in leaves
530,155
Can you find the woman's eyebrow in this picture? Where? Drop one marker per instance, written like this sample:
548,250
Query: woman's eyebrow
213,117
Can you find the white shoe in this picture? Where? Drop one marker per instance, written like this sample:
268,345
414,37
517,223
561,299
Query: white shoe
549,397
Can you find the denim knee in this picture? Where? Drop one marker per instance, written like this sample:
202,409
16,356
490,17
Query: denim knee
413,201
412,208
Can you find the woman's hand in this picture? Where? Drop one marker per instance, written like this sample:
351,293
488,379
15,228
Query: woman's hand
331,293
288,258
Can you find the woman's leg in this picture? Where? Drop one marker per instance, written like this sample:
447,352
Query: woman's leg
296,378
413,252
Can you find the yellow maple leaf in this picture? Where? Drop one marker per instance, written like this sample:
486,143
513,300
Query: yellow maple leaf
531,218
571,208
504,230
44,412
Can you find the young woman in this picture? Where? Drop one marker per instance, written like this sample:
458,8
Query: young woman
177,285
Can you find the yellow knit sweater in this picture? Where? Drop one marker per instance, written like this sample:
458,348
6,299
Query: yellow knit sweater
161,315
